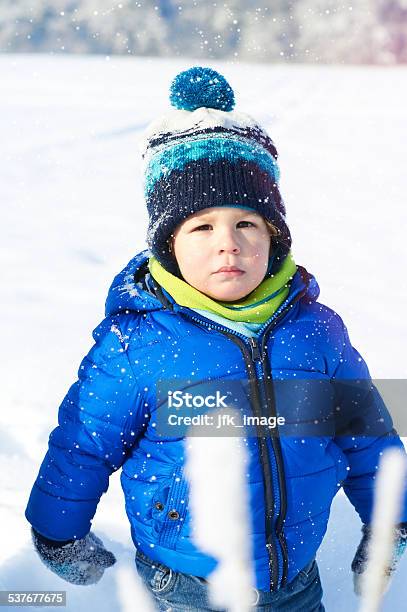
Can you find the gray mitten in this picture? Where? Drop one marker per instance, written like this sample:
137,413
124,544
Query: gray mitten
80,562
360,560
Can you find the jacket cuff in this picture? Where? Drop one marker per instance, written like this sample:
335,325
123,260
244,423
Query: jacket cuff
51,543
59,519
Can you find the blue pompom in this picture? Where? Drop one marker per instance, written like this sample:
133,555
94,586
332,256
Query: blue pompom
198,87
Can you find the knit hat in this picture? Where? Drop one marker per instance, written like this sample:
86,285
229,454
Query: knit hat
204,154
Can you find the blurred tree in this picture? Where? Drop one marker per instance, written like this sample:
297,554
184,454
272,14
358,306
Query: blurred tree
331,31
393,14
368,31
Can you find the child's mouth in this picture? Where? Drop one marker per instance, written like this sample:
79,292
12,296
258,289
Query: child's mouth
230,271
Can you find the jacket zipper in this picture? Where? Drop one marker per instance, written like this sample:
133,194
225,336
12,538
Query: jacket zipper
267,464
276,445
253,357
270,479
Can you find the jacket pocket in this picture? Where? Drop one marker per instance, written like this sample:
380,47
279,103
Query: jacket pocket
169,509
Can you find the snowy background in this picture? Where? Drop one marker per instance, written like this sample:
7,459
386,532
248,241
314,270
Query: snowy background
73,215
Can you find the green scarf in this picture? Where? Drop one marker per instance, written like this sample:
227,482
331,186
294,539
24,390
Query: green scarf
257,307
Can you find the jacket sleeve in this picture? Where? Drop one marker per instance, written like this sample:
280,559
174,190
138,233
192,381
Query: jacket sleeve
364,429
99,420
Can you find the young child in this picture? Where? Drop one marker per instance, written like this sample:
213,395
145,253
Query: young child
217,296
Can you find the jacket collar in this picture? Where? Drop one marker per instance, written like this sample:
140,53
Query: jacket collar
133,289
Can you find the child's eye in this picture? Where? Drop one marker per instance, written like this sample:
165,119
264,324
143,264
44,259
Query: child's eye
248,223
202,227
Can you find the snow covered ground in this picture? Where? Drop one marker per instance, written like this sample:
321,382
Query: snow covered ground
73,215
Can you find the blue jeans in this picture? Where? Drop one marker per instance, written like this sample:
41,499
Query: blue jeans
175,592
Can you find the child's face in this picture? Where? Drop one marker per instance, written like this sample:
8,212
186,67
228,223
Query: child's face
223,236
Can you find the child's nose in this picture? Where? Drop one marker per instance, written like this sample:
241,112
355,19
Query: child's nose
228,243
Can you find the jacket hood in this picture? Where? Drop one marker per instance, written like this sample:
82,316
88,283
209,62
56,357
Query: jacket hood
133,289
129,289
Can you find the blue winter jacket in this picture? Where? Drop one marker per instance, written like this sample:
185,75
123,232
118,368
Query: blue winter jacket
106,421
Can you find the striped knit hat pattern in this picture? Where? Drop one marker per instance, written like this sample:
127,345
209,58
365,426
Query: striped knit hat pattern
204,154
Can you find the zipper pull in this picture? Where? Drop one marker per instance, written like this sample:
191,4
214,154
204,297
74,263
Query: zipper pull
256,355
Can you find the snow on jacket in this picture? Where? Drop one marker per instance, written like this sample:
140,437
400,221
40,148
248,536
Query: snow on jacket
106,421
